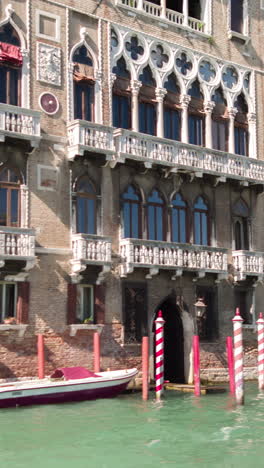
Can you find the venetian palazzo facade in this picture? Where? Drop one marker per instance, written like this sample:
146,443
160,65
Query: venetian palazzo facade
131,180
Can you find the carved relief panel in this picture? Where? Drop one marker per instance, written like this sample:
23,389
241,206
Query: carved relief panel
49,64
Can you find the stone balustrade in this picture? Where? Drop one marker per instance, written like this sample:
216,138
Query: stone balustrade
17,244
89,136
155,255
143,6
248,263
93,250
178,156
18,122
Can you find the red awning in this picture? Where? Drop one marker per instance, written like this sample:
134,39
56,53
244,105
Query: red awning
70,373
10,54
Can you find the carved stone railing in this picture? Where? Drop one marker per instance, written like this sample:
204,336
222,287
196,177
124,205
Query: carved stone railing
156,255
143,6
17,244
17,122
89,136
91,249
183,157
248,263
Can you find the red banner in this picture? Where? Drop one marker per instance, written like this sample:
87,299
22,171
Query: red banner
10,54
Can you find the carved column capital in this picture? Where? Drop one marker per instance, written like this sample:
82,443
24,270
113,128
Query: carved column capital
185,100
252,118
232,111
112,78
135,86
160,94
209,107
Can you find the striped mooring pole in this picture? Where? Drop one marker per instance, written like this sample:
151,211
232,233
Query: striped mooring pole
238,357
159,354
260,324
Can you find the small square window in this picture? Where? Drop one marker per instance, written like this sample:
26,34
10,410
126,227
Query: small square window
8,300
47,25
85,304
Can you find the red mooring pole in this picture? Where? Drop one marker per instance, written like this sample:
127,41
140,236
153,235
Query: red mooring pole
41,357
260,324
96,343
196,365
238,357
145,367
159,354
230,361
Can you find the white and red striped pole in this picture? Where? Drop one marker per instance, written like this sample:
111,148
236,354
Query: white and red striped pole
260,324
238,357
159,354
196,365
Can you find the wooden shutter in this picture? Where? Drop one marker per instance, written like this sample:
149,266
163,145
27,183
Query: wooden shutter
71,303
99,304
22,302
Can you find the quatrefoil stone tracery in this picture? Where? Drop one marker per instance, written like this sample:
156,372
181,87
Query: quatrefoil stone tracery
207,71
134,48
230,78
159,57
183,64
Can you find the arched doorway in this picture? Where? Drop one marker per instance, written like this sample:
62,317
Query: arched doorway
173,341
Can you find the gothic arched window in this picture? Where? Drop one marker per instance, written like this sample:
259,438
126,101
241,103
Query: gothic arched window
178,219
10,66
195,117
201,222
83,77
156,216
219,121
10,181
241,126
172,114
241,225
131,201
121,96
86,206
147,103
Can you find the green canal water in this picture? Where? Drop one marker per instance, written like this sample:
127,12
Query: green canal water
181,431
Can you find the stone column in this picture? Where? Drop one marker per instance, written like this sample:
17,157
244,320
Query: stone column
208,108
185,100
252,149
135,87
185,10
163,8
160,94
231,143
140,5
98,97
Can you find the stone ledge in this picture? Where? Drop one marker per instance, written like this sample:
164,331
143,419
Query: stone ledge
74,328
21,328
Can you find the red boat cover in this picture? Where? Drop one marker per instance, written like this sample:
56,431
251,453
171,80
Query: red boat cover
71,373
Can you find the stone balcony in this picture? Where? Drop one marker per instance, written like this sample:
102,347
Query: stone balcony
248,263
177,258
181,157
144,7
89,136
92,250
17,244
17,122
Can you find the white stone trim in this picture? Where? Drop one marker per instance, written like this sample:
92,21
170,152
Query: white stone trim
57,18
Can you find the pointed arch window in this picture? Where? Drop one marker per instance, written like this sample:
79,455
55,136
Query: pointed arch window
241,225
196,117
201,222
220,121
121,96
10,66
241,126
172,113
131,202
147,103
156,216
86,206
83,77
10,181
178,219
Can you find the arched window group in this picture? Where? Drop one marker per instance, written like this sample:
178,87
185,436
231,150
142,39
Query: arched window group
10,66
173,124
175,222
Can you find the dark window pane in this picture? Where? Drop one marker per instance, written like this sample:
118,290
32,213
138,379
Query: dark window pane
91,216
131,213
81,214
83,101
14,207
147,118
171,124
183,237
197,228
151,222
241,141
204,228
3,206
195,130
126,216
87,304
237,15
10,300
14,79
135,227
121,111
3,94
219,130
159,223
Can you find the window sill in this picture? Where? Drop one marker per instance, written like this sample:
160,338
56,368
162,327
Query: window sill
236,35
21,328
74,328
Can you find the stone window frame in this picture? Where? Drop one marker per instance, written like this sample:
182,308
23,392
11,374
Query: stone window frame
81,288
57,19
246,25
3,284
